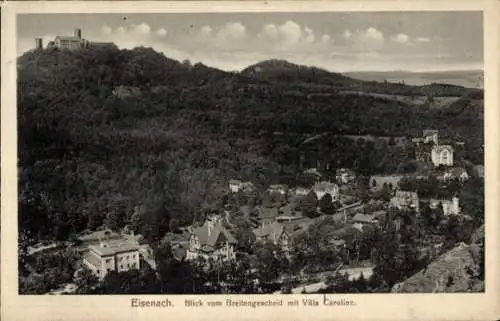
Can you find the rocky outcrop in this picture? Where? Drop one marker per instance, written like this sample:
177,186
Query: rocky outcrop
457,270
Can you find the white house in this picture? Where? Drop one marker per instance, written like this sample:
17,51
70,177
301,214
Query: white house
405,200
279,188
301,191
442,155
360,220
234,185
114,255
456,173
323,188
431,135
450,207
345,175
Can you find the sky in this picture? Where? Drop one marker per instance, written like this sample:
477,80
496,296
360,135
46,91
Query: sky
336,41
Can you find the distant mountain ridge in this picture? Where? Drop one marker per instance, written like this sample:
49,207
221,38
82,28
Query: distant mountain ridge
465,78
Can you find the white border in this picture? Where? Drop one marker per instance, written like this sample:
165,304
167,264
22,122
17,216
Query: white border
369,306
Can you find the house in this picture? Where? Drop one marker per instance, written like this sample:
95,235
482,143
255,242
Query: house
379,215
325,187
268,215
278,233
247,187
279,188
338,243
345,176
314,174
71,42
405,200
211,241
450,207
360,220
431,135
378,182
301,191
114,255
235,186
456,173
442,155
479,171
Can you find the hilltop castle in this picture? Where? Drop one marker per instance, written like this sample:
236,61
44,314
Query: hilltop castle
69,42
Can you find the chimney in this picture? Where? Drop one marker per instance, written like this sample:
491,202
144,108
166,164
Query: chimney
78,33
39,43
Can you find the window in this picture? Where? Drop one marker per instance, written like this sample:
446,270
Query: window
108,260
121,266
444,156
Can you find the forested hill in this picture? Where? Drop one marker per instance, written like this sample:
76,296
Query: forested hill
282,71
133,137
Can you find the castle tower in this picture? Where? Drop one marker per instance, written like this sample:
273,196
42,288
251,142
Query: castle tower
38,43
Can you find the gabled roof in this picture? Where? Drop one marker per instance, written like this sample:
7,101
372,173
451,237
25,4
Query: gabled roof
100,235
234,182
337,242
324,186
406,194
457,171
312,171
429,132
268,212
277,186
378,214
272,231
439,148
113,247
217,234
363,218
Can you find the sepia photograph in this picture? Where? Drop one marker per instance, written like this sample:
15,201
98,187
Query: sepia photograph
336,152
247,159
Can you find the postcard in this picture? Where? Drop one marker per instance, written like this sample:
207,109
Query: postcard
283,160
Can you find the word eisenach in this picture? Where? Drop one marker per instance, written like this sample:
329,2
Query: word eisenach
138,303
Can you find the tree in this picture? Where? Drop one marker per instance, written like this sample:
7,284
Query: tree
245,238
86,281
267,263
472,199
308,205
326,204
